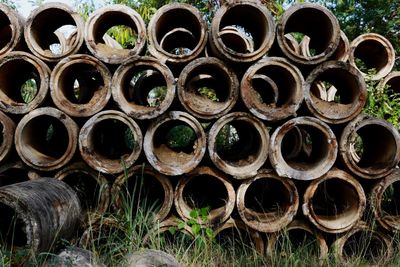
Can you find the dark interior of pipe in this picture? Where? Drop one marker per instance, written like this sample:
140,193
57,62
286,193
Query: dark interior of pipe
390,203
235,237
238,40
268,196
293,144
340,51
112,139
79,82
6,30
314,151
297,241
393,85
144,87
371,54
19,80
45,137
315,24
205,191
364,246
238,143
255,29
13,175
173,236
12,228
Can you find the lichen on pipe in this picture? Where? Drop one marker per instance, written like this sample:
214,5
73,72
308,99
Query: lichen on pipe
121,18
177,33
370,147
80,85
267,202
335,202
272,89
110,141
143,87
319,149
46,23
46,139
11,29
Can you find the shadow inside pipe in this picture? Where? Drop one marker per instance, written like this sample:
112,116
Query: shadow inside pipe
390,202
297,241
12,228
234,237
371,55
6,30
393,85
13,175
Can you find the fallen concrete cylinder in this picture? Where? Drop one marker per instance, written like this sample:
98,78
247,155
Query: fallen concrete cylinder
43,26
205,187
110,141
236,38
375,52
390,84
73,257
350,95
145,189
314,21
151,257
46,139
13,172
248,149
335,202
208,88
143,87
11,29
370,147
272,89
80,85
106,18
363,245
36,213
267,202
7,127
164,148
177,33
25,81
319,149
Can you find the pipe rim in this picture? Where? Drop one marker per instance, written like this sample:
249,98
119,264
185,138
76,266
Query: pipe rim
7,131
17,29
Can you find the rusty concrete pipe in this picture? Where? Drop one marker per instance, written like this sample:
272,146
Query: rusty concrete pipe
102,45
370,147
110,141
13,172
11,29
205,187
7,129
375,52
319,149
46,23
36,213
235,229
350,95
177,33
297,235
213,75
238,144
151,257
164,150
24,81
143,87
236,38
362,243
267,202
314,21
80,85
145,188
91,187
335,202
46,139
272,89
390,84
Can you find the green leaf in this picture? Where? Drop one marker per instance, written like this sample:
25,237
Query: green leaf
181,225
209,232
172,230
196,229
194,213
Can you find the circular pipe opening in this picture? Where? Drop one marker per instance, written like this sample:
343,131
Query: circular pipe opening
13,174
12,228
11,29
391,83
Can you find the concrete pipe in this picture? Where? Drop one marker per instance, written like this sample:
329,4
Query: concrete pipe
36,213
11,30
372,51
208,88
238,144
267,202
177,33
144,188
236,38
80,85
151,257
350,93
24,81
319,149
370,147
272,89
46,139
73,257
44,26
14,172
335,202
175,143
143,87
390,84
7,129
205,187
119,17
110,142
